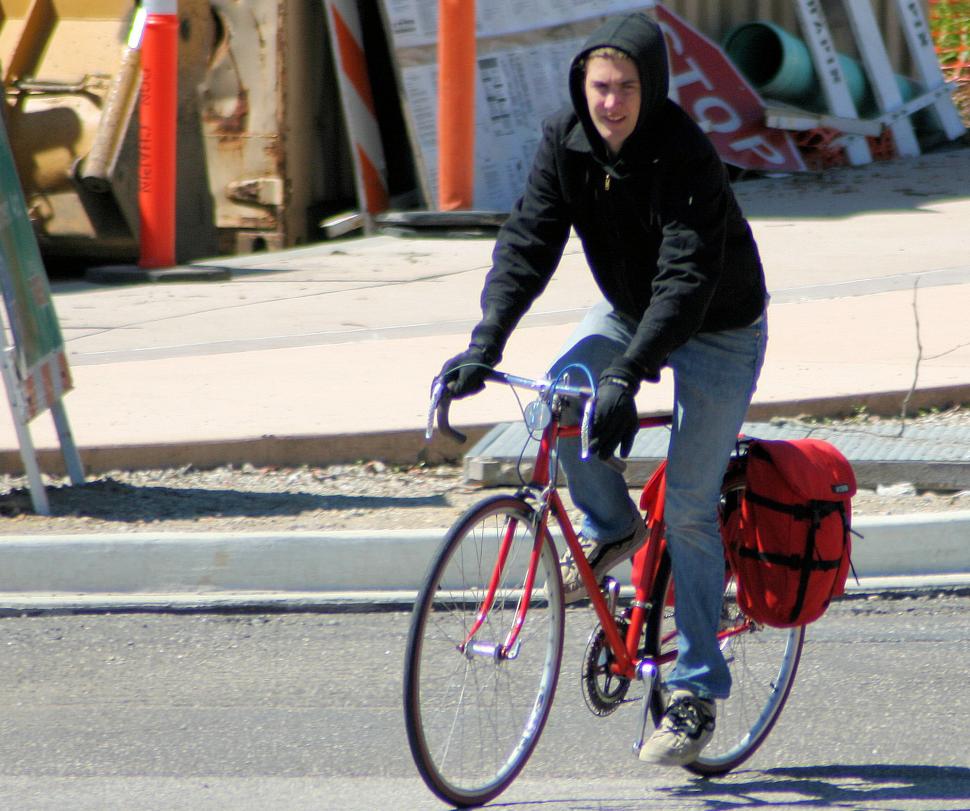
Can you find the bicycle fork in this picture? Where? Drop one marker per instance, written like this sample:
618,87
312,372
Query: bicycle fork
509,649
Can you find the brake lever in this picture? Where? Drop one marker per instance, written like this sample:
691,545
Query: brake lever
440,405
585,428
437,389
584,431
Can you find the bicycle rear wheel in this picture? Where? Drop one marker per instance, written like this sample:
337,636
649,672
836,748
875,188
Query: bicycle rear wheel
473,718
763,662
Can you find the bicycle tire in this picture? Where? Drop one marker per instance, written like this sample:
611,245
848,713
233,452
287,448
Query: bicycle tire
473,720
763,663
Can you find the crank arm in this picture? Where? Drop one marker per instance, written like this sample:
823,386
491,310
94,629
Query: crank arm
647,674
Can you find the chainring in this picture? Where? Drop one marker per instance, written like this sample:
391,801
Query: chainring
603,690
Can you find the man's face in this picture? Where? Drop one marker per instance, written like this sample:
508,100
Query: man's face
613,95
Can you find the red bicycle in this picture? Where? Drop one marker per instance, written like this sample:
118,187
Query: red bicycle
486,637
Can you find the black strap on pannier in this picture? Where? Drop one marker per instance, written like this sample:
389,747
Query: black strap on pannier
806,511
813,511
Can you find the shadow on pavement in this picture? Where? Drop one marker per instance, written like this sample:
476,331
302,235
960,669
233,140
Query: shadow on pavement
117,501
850,786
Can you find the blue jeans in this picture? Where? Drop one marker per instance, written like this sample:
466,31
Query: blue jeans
714,379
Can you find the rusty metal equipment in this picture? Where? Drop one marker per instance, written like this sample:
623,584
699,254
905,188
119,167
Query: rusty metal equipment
255,133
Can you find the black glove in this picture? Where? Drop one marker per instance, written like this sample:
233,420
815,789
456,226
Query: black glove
615,419
464,374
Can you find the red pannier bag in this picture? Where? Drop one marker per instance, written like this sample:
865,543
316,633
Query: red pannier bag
793,548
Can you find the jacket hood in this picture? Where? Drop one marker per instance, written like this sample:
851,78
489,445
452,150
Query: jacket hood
641,38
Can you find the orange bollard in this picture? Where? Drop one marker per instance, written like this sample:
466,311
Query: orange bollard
156,145
456,104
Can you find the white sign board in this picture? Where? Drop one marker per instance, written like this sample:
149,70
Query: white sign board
524,48
35,371
415,22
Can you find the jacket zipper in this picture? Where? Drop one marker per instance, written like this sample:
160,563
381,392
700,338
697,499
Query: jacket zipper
606,182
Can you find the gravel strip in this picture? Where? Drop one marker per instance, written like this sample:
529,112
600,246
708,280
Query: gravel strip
369,495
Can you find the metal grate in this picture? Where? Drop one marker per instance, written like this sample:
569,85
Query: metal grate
928,456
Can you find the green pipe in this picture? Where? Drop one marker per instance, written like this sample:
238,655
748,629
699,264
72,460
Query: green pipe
780,66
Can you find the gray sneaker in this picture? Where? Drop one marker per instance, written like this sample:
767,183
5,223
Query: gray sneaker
685,729
601,556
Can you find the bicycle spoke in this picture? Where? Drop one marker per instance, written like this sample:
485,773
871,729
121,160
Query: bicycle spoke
474,713
762,661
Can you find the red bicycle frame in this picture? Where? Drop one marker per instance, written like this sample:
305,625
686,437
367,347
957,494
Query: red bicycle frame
646,565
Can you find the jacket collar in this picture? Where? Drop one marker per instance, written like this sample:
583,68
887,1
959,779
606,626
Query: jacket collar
642,154
576,139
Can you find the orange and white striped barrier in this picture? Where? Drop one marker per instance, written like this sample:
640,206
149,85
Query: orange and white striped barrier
456,104
357,102
159,111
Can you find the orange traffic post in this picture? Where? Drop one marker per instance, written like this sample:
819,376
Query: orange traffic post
157,119
456,104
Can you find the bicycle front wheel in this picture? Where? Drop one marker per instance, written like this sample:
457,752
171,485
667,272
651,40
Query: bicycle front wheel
473,711
762,660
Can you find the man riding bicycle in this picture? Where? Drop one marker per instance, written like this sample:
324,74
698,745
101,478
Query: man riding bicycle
683,288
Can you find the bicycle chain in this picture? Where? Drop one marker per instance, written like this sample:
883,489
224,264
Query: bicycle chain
603,690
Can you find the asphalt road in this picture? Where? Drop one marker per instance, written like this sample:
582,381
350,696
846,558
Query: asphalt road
303,711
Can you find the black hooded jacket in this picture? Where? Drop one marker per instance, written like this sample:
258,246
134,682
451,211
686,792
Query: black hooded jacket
659,223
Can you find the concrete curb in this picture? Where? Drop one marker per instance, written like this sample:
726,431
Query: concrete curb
186,569
408,445
345,602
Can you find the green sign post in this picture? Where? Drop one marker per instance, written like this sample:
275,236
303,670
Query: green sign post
33,364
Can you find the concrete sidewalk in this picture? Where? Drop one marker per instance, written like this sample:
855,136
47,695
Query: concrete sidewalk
324,353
